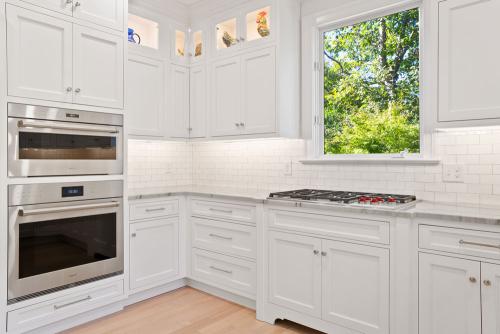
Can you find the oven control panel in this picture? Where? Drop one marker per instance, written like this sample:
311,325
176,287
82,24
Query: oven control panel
76,191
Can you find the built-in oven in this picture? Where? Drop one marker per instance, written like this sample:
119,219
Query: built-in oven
44,141
62,235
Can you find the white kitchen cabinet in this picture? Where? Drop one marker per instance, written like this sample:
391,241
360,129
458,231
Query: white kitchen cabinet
39,53
145,93
356,286
449,295
469,71
61,6
98,68
180,44
295,272
108,13
154,252
197,45
198,102
490,298
178,113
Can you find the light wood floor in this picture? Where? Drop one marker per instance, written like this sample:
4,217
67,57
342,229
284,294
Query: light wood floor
186,311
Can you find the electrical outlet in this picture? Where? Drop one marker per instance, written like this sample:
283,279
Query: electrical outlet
287,169
453,173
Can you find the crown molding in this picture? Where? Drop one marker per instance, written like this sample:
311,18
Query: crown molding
169,8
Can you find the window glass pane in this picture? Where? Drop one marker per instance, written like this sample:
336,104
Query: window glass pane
198,43
371,86
180,41
226,34
258,24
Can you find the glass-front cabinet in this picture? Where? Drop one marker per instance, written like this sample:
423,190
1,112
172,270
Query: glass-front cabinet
227,34
198,49
180,43
258,24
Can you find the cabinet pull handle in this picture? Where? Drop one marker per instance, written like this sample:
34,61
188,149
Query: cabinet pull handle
155,210
78,90
323,253
134,235
220,236
237,124
58,307
463,242
472,279
487,282
316,252
221,270
220,210
77,4
69,89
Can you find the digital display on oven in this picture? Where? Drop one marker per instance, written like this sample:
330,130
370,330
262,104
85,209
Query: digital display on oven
72,191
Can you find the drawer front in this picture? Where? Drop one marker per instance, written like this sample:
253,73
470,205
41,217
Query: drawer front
221,210
340,227
154,209
225,272
48,312
229,238
460,241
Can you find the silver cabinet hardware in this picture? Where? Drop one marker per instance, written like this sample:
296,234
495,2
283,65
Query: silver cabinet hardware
155,210
237,124
220,210
323,253
242,39
190,54
463,242
238,40
77,4
58,307
316,252
69,2
134,235
34,212
69,89
190,129
221,270
78,90
242,124
472,279
69,126
487,282
220,236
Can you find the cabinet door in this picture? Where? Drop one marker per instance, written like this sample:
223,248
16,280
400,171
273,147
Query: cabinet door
469,70
226,97
154,252
490,294
39,54
145,90
197,46
227,33
180,45
258,24
61,6
259,92
449,295
178,113
108,13
295,272
356,286
198,104
98,68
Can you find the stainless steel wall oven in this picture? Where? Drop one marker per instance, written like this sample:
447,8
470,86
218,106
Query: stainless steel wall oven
44,141
61,235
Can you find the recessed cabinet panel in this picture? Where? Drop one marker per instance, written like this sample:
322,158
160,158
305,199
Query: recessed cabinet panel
469,70
62,6
259,92
108,13
198,104
39,56
449,295
490,298
178,115
98,68
145,91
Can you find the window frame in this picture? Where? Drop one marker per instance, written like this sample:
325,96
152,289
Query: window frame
318,86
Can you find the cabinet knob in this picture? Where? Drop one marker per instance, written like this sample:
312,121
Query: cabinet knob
77,4
242,39
237,124
69,89
242,124
134,235
190,129
323,253
472,279
316,252
487,282
78,90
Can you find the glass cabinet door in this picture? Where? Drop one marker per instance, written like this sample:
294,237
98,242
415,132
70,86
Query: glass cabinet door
180,43
258,24
197,45
226,33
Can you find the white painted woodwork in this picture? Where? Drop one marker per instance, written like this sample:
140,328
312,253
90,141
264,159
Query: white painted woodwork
469,71
39,55
460,241
224,210
198,102
224,237
449,295
154,252
178,114
60,308
145,96
153,209
108,13
259,92
490,298
226,97
225,272
294,276
61,6
98,68
375,231
356,286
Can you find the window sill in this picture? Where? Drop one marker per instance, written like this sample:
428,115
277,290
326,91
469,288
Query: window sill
371,161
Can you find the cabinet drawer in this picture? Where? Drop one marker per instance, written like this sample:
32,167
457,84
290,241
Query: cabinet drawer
225,272
154,209
210,209
340,227
48,312
230,238
460,241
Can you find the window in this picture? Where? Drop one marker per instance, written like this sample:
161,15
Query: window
371,86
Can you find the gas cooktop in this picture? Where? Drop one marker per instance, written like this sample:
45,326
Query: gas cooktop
346,197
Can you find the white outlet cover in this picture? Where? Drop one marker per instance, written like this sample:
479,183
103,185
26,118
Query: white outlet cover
453,173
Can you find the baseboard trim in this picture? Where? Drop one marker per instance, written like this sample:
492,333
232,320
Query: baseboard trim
223,294
154,292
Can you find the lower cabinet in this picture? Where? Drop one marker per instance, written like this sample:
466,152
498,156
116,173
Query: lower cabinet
154,252
343,283
458,296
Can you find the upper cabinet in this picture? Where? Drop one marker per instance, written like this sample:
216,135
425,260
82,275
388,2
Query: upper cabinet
54,60
469,70
180,44
197,47
107,13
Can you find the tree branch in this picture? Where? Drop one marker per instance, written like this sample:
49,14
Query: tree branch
329,56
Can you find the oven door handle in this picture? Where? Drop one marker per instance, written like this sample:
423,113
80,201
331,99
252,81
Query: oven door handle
74,127
35,212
